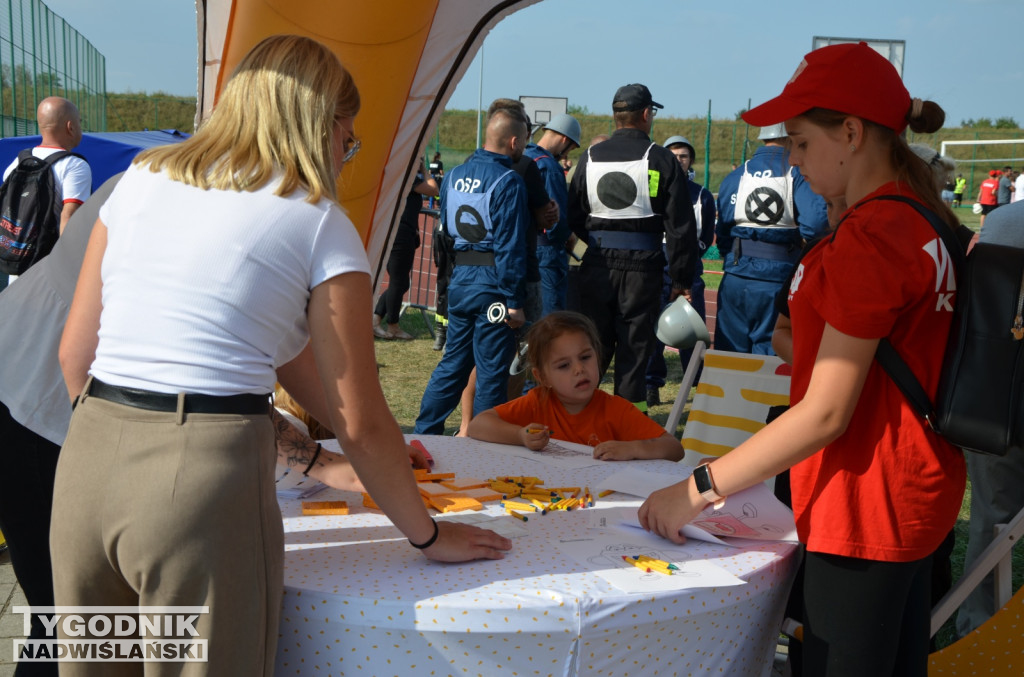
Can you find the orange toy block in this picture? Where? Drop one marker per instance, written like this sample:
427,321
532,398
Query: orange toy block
455,502
430,489
460,483
482,494
324,508
435,477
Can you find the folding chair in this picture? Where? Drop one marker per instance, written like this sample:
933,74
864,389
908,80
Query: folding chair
732,399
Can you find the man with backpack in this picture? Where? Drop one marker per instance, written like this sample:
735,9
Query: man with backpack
42,188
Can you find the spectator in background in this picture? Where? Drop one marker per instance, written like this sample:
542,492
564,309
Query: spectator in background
766,212
959,186
400,260
1004,193
1018,186
987,197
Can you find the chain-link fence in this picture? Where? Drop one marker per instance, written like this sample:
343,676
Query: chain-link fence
40,56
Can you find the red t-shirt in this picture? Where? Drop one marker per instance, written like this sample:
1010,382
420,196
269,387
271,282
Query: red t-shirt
888,489
604,419
988,191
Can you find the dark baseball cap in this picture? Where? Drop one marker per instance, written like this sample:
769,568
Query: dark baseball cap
633,97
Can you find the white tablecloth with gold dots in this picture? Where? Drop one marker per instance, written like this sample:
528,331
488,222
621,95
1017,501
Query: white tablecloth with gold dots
359,601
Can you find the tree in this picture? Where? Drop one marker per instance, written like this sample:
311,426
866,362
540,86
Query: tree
740,112
1006,123
577,111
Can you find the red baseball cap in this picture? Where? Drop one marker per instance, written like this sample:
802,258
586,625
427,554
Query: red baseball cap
848,78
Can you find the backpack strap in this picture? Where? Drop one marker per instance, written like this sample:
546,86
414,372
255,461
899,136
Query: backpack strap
894,365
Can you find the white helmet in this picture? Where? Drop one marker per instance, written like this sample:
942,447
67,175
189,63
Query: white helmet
681,327
776,131
566,125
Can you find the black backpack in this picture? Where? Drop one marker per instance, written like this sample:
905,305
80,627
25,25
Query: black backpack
30,211
980,404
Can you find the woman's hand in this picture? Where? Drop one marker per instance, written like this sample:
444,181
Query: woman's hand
668,510
462,542
535,436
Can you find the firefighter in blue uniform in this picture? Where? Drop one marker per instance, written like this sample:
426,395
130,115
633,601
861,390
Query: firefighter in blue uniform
766,211
483,205
561,135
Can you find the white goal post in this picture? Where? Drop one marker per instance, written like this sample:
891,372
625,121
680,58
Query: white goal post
987,142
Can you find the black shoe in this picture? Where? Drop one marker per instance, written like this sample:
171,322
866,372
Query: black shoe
440,336
653,397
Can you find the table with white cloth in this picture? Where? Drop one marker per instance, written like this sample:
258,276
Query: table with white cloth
359,600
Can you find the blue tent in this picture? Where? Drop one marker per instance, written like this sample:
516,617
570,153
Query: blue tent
107,152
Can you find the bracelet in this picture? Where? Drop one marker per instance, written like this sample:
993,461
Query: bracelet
430,541
316,455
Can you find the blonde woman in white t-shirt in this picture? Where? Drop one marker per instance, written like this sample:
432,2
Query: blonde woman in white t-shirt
217,266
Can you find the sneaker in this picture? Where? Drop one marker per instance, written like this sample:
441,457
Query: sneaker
653,397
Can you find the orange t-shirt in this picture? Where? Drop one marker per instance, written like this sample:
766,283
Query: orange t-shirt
888,489
605,418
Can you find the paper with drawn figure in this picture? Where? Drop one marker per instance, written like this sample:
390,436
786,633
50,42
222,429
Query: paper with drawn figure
603,556
753,513
625,517
557,453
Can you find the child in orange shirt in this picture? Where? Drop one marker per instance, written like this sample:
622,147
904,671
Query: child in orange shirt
567,405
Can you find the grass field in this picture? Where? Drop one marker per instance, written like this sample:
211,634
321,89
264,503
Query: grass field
405,368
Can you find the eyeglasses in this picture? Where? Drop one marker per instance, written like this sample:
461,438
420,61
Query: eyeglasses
654,111
352,147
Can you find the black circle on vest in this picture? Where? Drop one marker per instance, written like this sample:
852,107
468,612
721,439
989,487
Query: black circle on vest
470,224
616,190
764,206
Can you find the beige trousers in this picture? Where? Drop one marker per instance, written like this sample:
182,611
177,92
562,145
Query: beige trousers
154,508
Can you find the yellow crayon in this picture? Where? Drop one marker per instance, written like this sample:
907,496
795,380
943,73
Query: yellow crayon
515,505
606,492
534,431
518,516
661,562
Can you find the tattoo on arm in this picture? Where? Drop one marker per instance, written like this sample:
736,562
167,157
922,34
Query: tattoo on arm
294,449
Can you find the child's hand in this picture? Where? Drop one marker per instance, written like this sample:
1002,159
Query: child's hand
535,436
616,451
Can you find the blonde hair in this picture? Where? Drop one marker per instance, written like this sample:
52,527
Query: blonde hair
276,113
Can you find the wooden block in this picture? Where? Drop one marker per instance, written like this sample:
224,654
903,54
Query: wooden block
482,494
368,502
435,477
460,483
431,489
420,473
455,502
324,508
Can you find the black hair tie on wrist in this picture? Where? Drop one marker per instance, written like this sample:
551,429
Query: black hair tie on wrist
430,542
316,455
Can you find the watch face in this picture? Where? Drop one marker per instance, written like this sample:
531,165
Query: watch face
702,476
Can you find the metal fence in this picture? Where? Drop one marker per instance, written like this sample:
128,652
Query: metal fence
40,56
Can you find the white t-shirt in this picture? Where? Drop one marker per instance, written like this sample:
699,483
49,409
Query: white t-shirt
1018,188
206,291
73,176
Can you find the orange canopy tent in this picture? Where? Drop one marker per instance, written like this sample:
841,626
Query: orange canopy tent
406,56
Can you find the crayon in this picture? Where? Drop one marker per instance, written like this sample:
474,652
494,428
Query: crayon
661,562
534,431
423,449
518,516
606,492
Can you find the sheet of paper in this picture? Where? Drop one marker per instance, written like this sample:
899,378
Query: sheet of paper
506,526
752,513
625,517
603,555
556,453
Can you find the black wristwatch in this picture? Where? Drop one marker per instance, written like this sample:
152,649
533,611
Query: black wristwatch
706,486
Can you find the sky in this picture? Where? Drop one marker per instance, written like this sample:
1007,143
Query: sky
963,54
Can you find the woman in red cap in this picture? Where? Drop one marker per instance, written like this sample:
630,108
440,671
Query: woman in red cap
875,491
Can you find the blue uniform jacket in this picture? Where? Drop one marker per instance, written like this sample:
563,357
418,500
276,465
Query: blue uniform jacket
509,218
809,210
554,183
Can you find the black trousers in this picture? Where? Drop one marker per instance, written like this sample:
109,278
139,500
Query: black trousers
403,253
28,463
863,617
624,305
